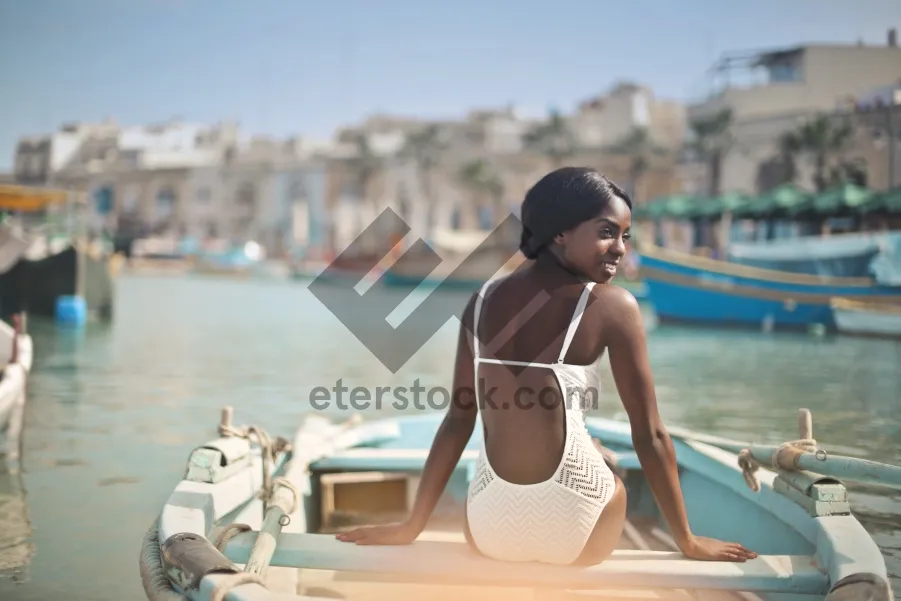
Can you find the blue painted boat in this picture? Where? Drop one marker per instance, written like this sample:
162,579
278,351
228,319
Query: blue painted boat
254,517
694,289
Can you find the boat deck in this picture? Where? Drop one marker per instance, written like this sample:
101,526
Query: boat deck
375,586
367,586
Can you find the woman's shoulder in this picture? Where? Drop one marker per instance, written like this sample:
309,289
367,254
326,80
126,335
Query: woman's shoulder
614,300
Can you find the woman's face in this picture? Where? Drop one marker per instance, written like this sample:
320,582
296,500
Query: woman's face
595,247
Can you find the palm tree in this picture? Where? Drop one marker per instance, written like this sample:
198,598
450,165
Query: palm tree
553,139
712,141
362,166
483,182
424,147
822,138
640,148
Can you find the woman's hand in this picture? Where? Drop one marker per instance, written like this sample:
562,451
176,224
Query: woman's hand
403,533
710,549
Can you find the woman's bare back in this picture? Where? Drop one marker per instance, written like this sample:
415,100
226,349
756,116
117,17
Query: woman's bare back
522,407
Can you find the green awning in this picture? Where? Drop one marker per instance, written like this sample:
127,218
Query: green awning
677,206
844,198
730,202
889,202
787,200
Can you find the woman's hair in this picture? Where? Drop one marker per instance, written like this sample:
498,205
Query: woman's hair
561,200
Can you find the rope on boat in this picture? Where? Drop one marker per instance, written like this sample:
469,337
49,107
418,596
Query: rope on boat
153,576
268,449
229,581
228,533
785,456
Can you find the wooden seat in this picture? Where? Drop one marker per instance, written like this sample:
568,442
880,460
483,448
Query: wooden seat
455,563
367,459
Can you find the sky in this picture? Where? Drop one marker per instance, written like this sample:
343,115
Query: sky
298,67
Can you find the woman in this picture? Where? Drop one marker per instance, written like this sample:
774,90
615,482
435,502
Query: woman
534,339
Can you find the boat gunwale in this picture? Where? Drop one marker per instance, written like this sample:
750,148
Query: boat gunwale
180,515
654,275
856,305
728,268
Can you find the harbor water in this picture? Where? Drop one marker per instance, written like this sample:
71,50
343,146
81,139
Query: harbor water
115,409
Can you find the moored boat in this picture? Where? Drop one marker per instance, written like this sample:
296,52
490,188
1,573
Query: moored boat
867,319
254,519
15,366
58,262
696,289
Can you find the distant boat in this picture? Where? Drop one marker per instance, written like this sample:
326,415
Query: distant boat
842,255
55,263
867,319
688,288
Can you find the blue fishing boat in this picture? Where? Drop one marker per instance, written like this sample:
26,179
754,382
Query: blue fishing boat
254,517
695,289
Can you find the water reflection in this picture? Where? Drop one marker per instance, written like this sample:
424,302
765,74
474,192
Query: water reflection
16,548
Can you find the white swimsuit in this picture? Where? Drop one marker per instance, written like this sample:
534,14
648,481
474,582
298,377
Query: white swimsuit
548,521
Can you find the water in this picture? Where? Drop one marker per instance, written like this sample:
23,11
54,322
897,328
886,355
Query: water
114,411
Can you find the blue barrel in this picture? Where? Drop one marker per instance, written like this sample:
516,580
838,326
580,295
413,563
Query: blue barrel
71,310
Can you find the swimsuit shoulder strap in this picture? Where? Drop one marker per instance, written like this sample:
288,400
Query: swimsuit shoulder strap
477,311
574,322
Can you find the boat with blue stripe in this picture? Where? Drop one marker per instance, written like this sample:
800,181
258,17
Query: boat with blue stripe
695,289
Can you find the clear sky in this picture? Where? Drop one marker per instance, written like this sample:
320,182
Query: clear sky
303,67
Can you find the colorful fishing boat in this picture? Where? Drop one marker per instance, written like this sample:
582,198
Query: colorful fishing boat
696,289
867,319
254,518
15,365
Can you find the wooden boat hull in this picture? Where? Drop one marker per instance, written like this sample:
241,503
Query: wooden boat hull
684,288
369,472
34,286
866,319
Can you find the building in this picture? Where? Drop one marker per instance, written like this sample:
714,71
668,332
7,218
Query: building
771,92
38,157
605,121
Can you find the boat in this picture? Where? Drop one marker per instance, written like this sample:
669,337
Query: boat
325,273
842,255
683,287
15,359
254,518
58,261
867,319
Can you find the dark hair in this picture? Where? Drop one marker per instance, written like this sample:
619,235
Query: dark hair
561,200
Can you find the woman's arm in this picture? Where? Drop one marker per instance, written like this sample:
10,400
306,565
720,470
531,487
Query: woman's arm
450,440
626,343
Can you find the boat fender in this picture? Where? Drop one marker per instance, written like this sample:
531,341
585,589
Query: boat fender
860,587
188,557
219,459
